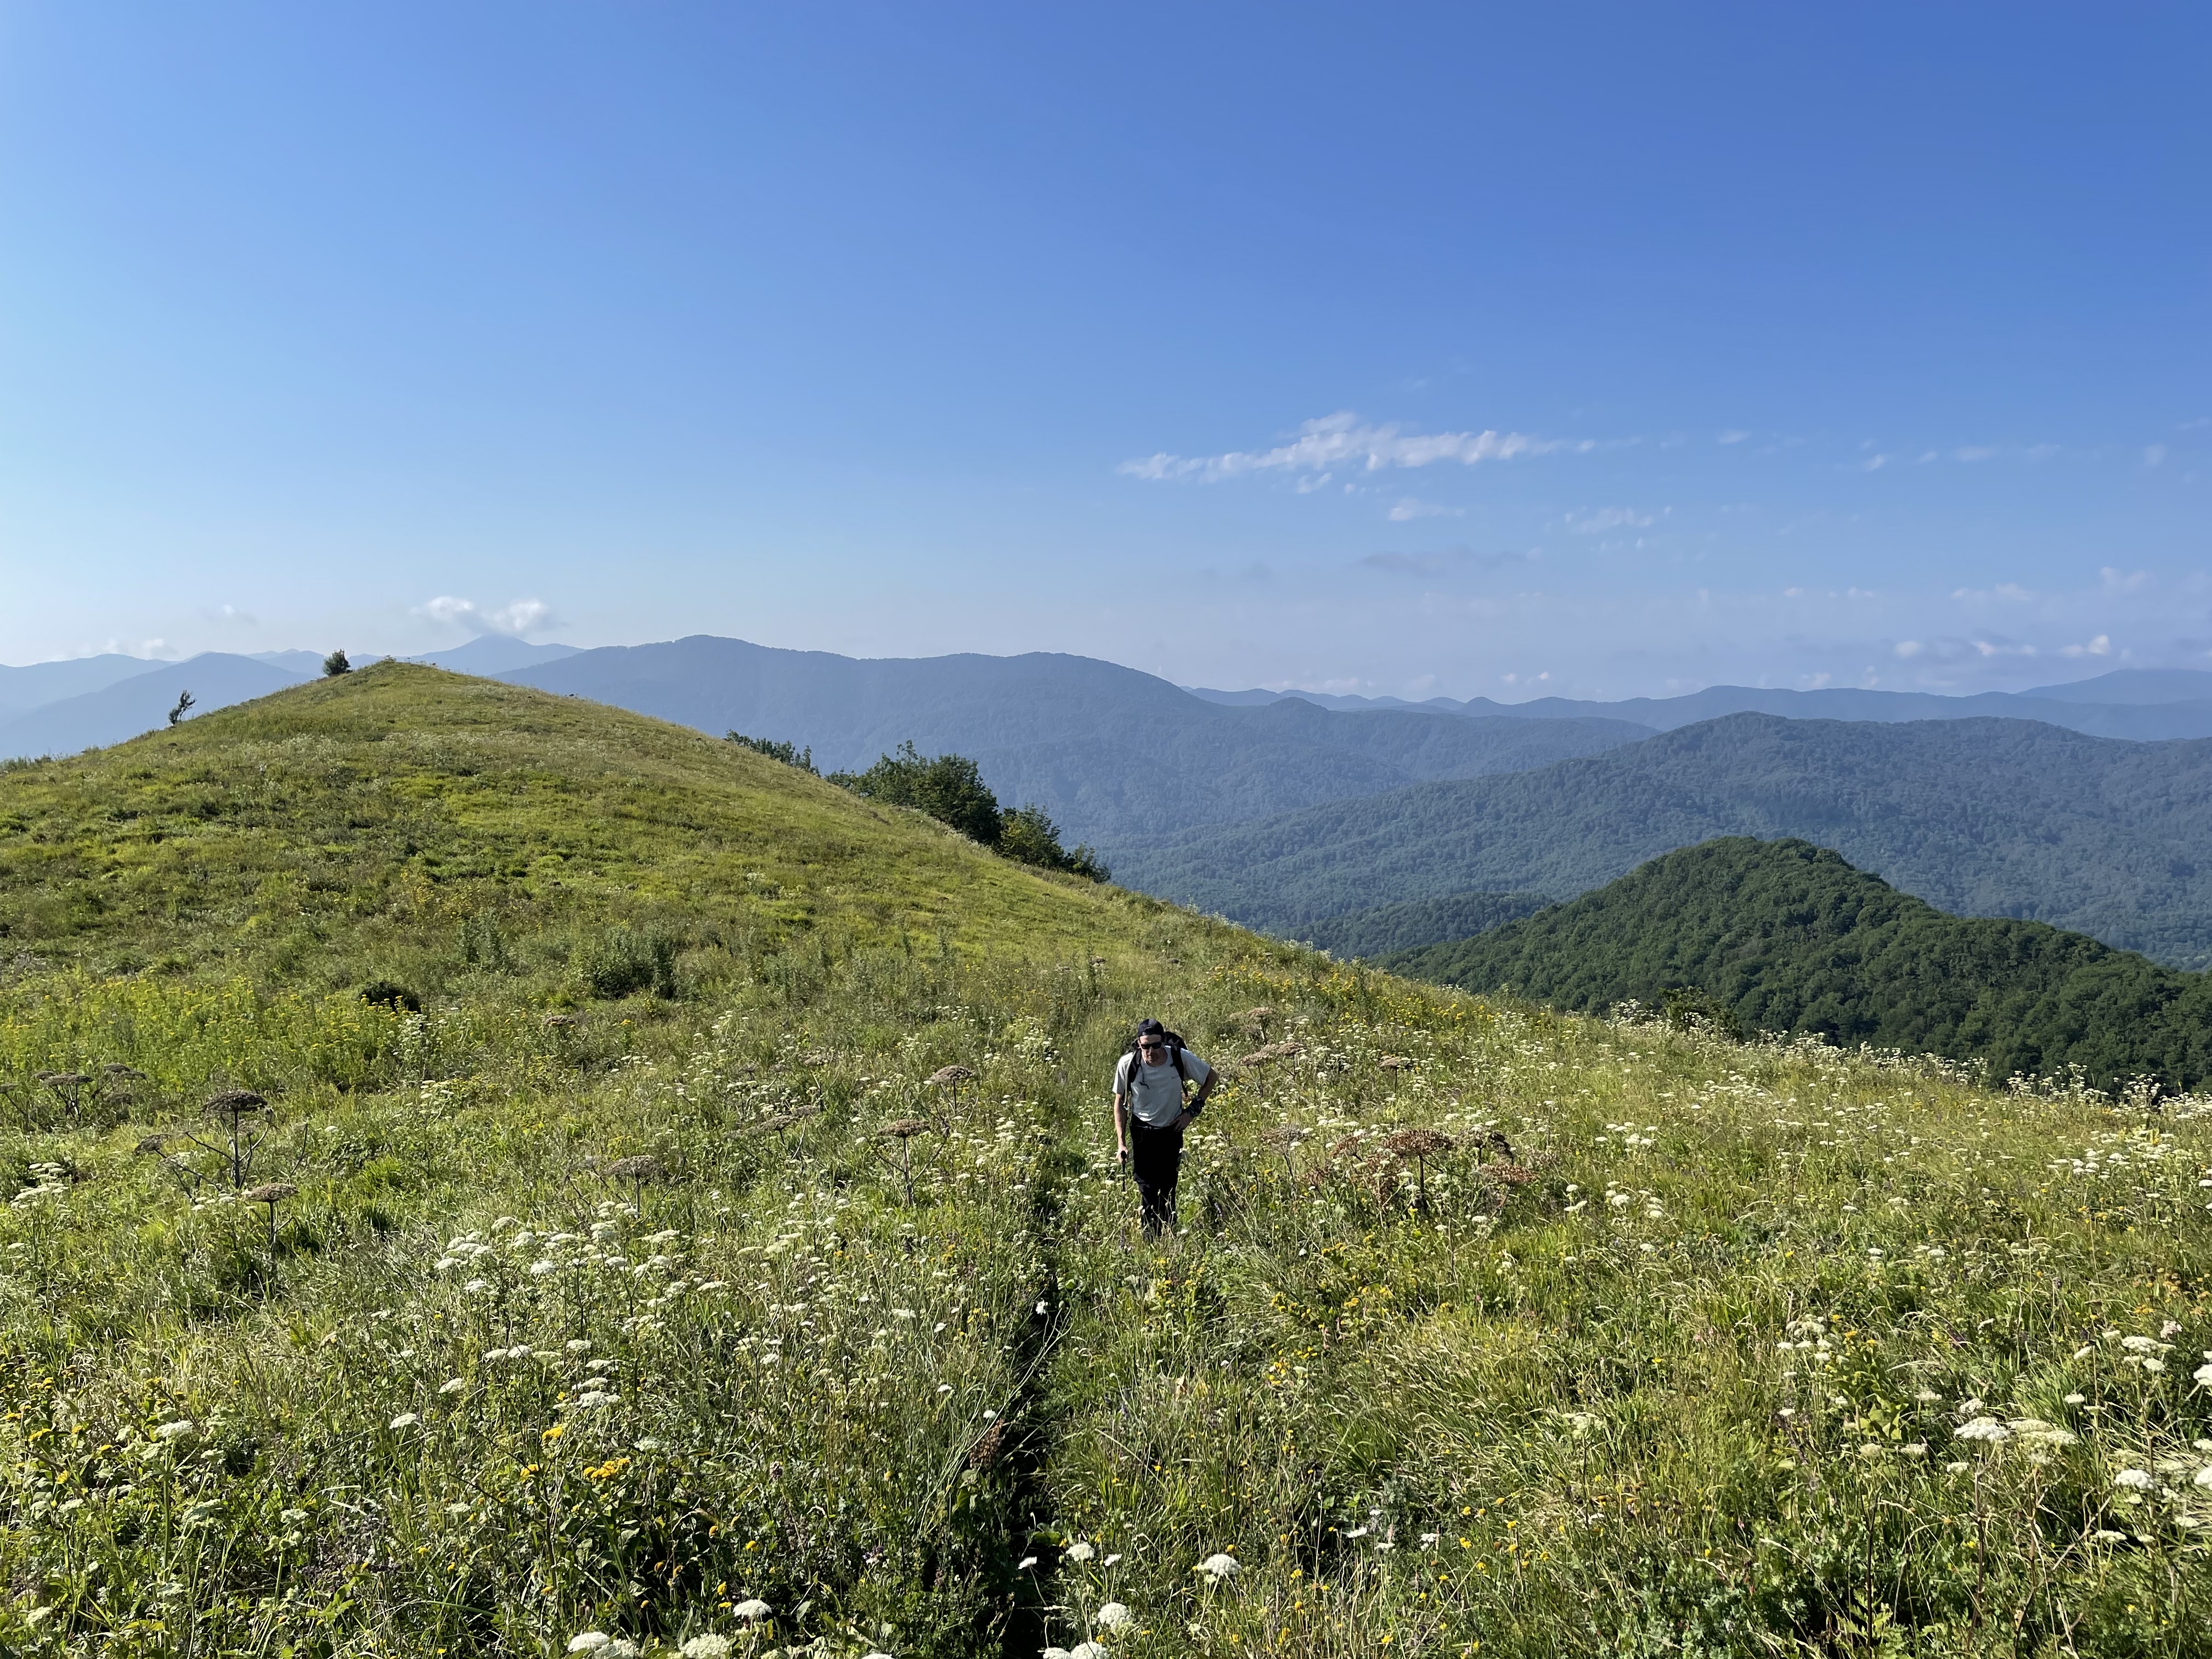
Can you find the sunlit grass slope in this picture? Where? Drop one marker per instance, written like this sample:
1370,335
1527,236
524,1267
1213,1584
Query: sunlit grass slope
593,1307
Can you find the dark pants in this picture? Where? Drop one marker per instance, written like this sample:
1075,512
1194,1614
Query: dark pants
1156,1159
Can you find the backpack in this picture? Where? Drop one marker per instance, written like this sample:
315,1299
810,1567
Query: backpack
1173,1040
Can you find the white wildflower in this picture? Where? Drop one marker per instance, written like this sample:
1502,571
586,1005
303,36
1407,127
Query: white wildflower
708,1646
538,1270
2083,1399
1080,1551
1088,1650
176,1430
2135,1480
751,1609
408,1420
1025,1563
452,1385
1982,1428
590,1641
1114,1616
1219,1567
2144,1345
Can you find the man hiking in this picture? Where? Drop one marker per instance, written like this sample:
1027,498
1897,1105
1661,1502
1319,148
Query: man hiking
1150,1114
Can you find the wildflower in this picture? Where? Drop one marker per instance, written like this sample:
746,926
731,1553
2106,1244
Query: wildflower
2144,1345
1087,1651
176,1430
590,1641
2204,1375
1080,1551
538,1270
708,1646
2083,1353
751,1607
1111,1559
407,1420
1916,1449
1114,1616
452,1385
1025,1563
593,1399
577,1345
1219,1567
622,1648
2106,1535
2083,1399
2135,1480
476,1286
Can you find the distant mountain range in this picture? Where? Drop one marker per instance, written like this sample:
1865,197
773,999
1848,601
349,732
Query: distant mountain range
1980,817
89,702
2147,704
1787,937
1112,754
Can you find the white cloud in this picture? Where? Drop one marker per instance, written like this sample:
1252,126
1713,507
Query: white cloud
519,617
1974,452
2012,591
1609,518
1733,436
1408,507
1343,439
2099,646
2123,581
2154,454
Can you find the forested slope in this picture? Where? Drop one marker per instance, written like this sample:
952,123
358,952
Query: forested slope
1787,937
1979,817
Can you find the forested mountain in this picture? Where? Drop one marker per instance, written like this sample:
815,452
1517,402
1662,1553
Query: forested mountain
38,683
1110,753
2147,704
1785,936
1980,817
1389,929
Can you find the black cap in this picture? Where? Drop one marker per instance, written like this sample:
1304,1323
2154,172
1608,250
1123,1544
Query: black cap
1150,1028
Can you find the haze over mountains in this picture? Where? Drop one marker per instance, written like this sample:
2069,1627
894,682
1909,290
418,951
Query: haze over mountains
2143,703
1981,818
1372,826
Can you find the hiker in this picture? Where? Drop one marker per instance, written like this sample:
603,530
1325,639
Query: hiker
1150,1114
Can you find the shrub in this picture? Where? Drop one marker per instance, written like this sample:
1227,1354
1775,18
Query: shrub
1029,835
775,751
621,961
389,993
335,664
949,787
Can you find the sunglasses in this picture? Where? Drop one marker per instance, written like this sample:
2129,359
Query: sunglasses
1149,1044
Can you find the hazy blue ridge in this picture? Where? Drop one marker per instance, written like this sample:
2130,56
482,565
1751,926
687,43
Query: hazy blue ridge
2144,704
1114,756
1786,937
493,654
139,703
39,683
1980,817
1389,928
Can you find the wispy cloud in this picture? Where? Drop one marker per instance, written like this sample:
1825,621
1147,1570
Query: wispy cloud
1343,440
519,617
1596,523
1734,435
2117,581
1408,507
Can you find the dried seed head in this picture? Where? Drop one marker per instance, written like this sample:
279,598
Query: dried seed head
1418,1142
952,1076
274,1192
1288,1134
117,1069
561,1022
1395,1063
906,1128
236,1102
64,1079
642,1167
1261,1057
153,1143
986,1451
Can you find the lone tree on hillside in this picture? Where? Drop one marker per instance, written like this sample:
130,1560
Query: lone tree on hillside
335,664
951,790
184,702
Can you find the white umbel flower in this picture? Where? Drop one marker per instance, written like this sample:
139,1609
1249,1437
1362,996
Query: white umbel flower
1219,1567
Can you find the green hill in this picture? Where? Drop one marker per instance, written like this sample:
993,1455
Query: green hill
1787,937
729,1255
1988,817
1389,928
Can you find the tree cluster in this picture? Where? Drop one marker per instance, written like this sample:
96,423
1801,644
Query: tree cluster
950,789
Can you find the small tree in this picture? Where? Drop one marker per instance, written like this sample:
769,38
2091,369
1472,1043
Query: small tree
184,702
335,664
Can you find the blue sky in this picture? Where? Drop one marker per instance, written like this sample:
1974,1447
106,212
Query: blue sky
1607,350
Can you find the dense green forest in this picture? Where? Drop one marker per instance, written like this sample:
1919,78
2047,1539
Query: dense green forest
1988,817
1783,936
1389,928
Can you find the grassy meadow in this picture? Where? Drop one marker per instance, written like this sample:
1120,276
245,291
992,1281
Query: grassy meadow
654,1286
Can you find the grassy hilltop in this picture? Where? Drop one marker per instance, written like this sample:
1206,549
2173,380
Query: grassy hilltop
593,1298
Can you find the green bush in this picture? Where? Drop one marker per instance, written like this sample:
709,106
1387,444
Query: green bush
949,787
776,750
1029,836
621,961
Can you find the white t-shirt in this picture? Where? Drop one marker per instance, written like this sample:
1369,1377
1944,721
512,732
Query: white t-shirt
1155,1093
